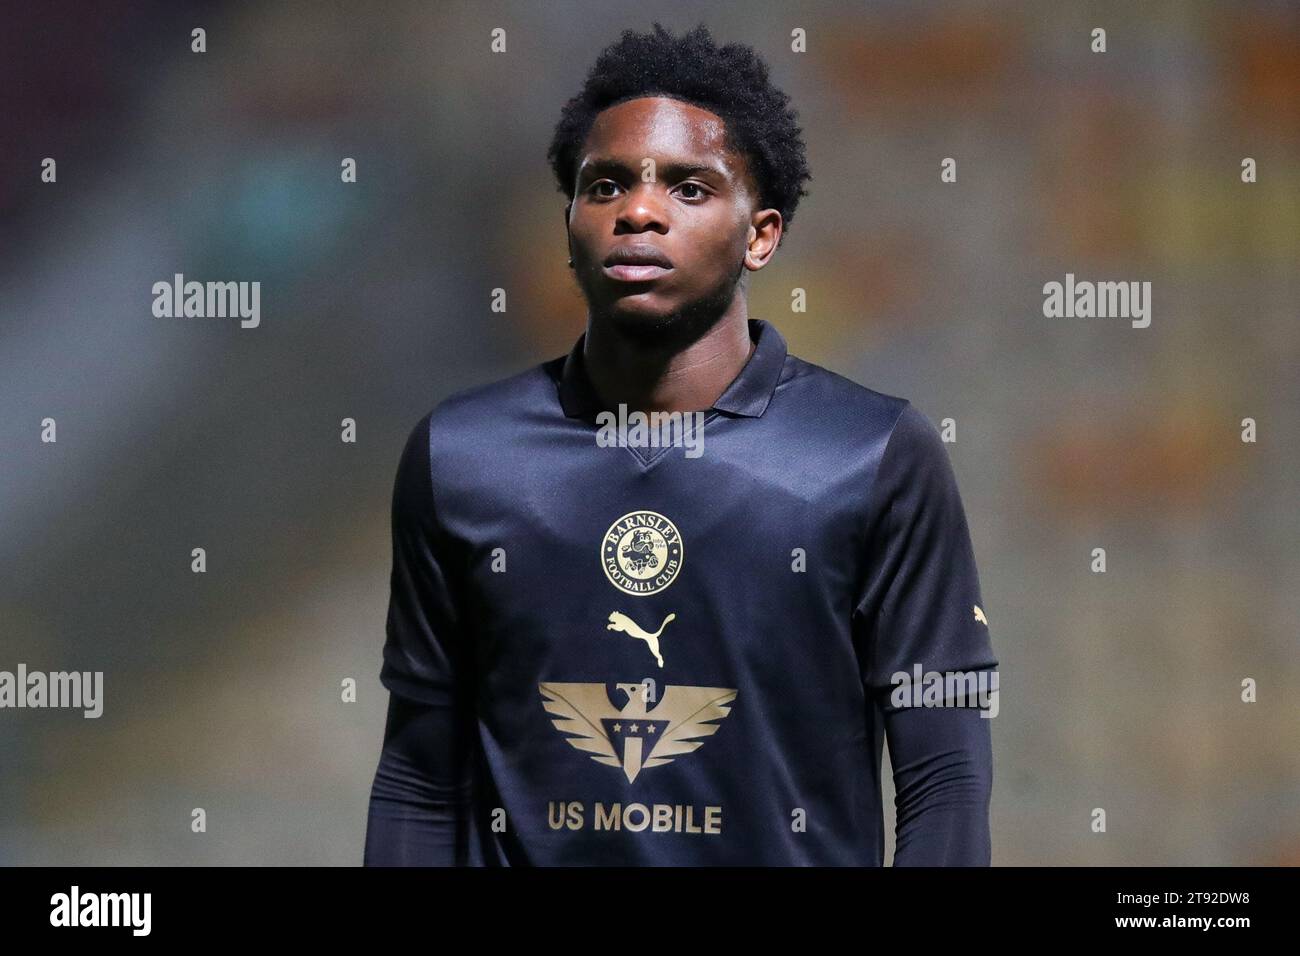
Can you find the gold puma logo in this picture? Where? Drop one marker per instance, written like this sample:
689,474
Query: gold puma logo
621,622
979,616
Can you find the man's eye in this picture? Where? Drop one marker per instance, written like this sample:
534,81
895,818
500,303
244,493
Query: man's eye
603,182
699,190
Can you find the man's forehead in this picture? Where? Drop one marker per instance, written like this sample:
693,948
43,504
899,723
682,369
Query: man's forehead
670,131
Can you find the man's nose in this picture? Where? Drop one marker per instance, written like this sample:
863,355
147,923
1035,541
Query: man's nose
643,210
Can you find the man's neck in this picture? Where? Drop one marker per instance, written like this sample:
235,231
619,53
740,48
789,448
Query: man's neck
671,378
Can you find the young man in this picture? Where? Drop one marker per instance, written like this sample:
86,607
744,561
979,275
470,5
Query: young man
631,655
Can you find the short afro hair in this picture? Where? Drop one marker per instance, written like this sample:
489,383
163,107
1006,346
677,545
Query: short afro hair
730,81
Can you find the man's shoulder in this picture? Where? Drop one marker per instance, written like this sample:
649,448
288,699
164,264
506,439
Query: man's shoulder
836,400
879,420
489,407
464,433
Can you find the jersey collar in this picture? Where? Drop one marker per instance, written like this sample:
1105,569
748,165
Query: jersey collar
748,394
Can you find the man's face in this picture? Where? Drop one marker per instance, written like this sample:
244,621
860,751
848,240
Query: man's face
691,226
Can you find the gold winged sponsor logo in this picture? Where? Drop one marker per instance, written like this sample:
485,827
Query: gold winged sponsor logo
979,615
635,737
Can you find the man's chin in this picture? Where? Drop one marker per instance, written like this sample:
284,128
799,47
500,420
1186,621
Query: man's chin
641,318
656,324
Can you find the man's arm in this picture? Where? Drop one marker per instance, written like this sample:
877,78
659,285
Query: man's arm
420,800
919,609
943,776
419,803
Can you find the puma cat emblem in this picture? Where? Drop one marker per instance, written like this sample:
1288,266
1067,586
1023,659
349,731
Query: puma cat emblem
621,622
979,616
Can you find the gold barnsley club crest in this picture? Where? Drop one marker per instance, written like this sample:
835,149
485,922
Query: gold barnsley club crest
635,737
618,621
641,553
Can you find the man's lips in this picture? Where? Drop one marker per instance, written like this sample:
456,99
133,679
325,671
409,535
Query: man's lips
634,272
636,262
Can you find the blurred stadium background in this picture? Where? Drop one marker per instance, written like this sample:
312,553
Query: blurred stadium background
222,690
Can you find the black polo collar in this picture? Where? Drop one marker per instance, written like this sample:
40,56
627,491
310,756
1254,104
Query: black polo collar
748,394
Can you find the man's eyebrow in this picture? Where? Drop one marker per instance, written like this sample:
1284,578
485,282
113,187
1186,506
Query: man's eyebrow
601,165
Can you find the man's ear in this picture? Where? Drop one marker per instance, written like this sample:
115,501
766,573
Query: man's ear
567,238
764,237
